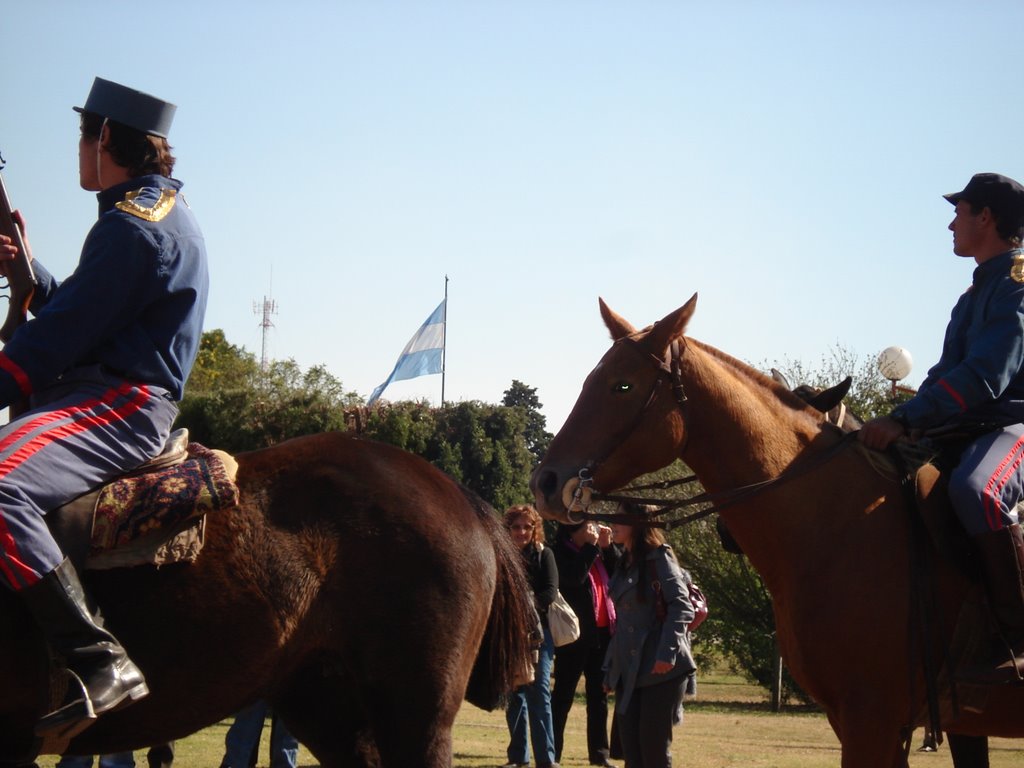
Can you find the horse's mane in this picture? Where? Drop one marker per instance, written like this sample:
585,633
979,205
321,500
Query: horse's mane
744,370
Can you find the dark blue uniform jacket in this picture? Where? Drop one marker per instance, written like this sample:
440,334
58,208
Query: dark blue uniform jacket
980,375
134,304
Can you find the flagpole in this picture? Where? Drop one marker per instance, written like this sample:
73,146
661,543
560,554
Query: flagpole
444,337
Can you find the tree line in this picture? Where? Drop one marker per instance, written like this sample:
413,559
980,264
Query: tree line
235,403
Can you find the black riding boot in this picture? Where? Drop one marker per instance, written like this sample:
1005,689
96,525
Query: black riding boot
101,676
1002,555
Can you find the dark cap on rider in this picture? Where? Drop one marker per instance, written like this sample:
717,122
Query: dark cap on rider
130,107
1000,194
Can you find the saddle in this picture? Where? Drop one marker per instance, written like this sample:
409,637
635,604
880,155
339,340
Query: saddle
155,514
940,521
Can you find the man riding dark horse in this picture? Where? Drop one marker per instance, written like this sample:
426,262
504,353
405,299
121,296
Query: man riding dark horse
978,387
104,361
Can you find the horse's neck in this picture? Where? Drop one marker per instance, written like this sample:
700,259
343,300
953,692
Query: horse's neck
742,428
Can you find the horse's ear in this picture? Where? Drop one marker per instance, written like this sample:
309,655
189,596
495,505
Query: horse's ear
670,327
618,326
780,377
828,399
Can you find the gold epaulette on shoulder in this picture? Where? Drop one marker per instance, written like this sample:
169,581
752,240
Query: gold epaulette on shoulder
1017,268
158,210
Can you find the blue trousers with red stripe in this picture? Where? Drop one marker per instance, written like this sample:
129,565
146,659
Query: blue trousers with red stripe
989,480
89,428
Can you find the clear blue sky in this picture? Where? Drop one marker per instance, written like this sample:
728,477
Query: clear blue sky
786,160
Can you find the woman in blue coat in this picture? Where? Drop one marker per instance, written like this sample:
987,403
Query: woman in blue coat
649,659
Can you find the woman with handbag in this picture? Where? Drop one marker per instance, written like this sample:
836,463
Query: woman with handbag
649,660
529,708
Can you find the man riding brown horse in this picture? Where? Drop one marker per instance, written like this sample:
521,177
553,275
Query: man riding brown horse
978,385
104,360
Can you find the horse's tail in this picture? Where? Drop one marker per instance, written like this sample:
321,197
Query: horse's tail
507,650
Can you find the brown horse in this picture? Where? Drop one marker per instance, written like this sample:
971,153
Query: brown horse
356,587
828,533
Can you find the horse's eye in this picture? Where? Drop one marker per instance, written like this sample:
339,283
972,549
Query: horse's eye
622,386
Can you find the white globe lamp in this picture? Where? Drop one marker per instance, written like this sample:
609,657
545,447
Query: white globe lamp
895,363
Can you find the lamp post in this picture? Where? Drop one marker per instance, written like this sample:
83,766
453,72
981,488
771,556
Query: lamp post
895,363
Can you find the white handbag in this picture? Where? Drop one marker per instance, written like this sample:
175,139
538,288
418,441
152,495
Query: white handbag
563,622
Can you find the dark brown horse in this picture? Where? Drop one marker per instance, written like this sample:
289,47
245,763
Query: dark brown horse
831,538
356,588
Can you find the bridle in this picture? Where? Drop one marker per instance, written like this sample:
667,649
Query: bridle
670,370
667,370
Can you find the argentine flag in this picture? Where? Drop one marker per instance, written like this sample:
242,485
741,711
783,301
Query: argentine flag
422,355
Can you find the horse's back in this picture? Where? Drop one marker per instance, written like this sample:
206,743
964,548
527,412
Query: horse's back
325,470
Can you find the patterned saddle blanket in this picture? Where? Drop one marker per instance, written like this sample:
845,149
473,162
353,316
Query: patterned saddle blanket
156,514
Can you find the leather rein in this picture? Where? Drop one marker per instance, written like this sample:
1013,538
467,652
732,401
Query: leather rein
671,371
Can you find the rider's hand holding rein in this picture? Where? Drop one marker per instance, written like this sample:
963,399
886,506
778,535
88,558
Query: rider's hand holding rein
878,434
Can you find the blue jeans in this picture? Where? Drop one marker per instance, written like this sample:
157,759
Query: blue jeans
533,702
117,760
243,738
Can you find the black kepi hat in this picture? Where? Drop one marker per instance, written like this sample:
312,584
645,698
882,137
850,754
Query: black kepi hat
129,107
1001,194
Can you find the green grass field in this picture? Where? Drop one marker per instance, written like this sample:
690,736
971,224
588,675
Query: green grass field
728,725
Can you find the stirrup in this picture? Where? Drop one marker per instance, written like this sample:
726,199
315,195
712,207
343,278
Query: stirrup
70,718
1003,668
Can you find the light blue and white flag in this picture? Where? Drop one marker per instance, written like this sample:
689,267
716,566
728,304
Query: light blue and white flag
422,355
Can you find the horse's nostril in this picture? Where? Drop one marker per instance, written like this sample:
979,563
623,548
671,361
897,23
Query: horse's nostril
547,483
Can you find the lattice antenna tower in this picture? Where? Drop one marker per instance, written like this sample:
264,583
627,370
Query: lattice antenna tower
264,311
